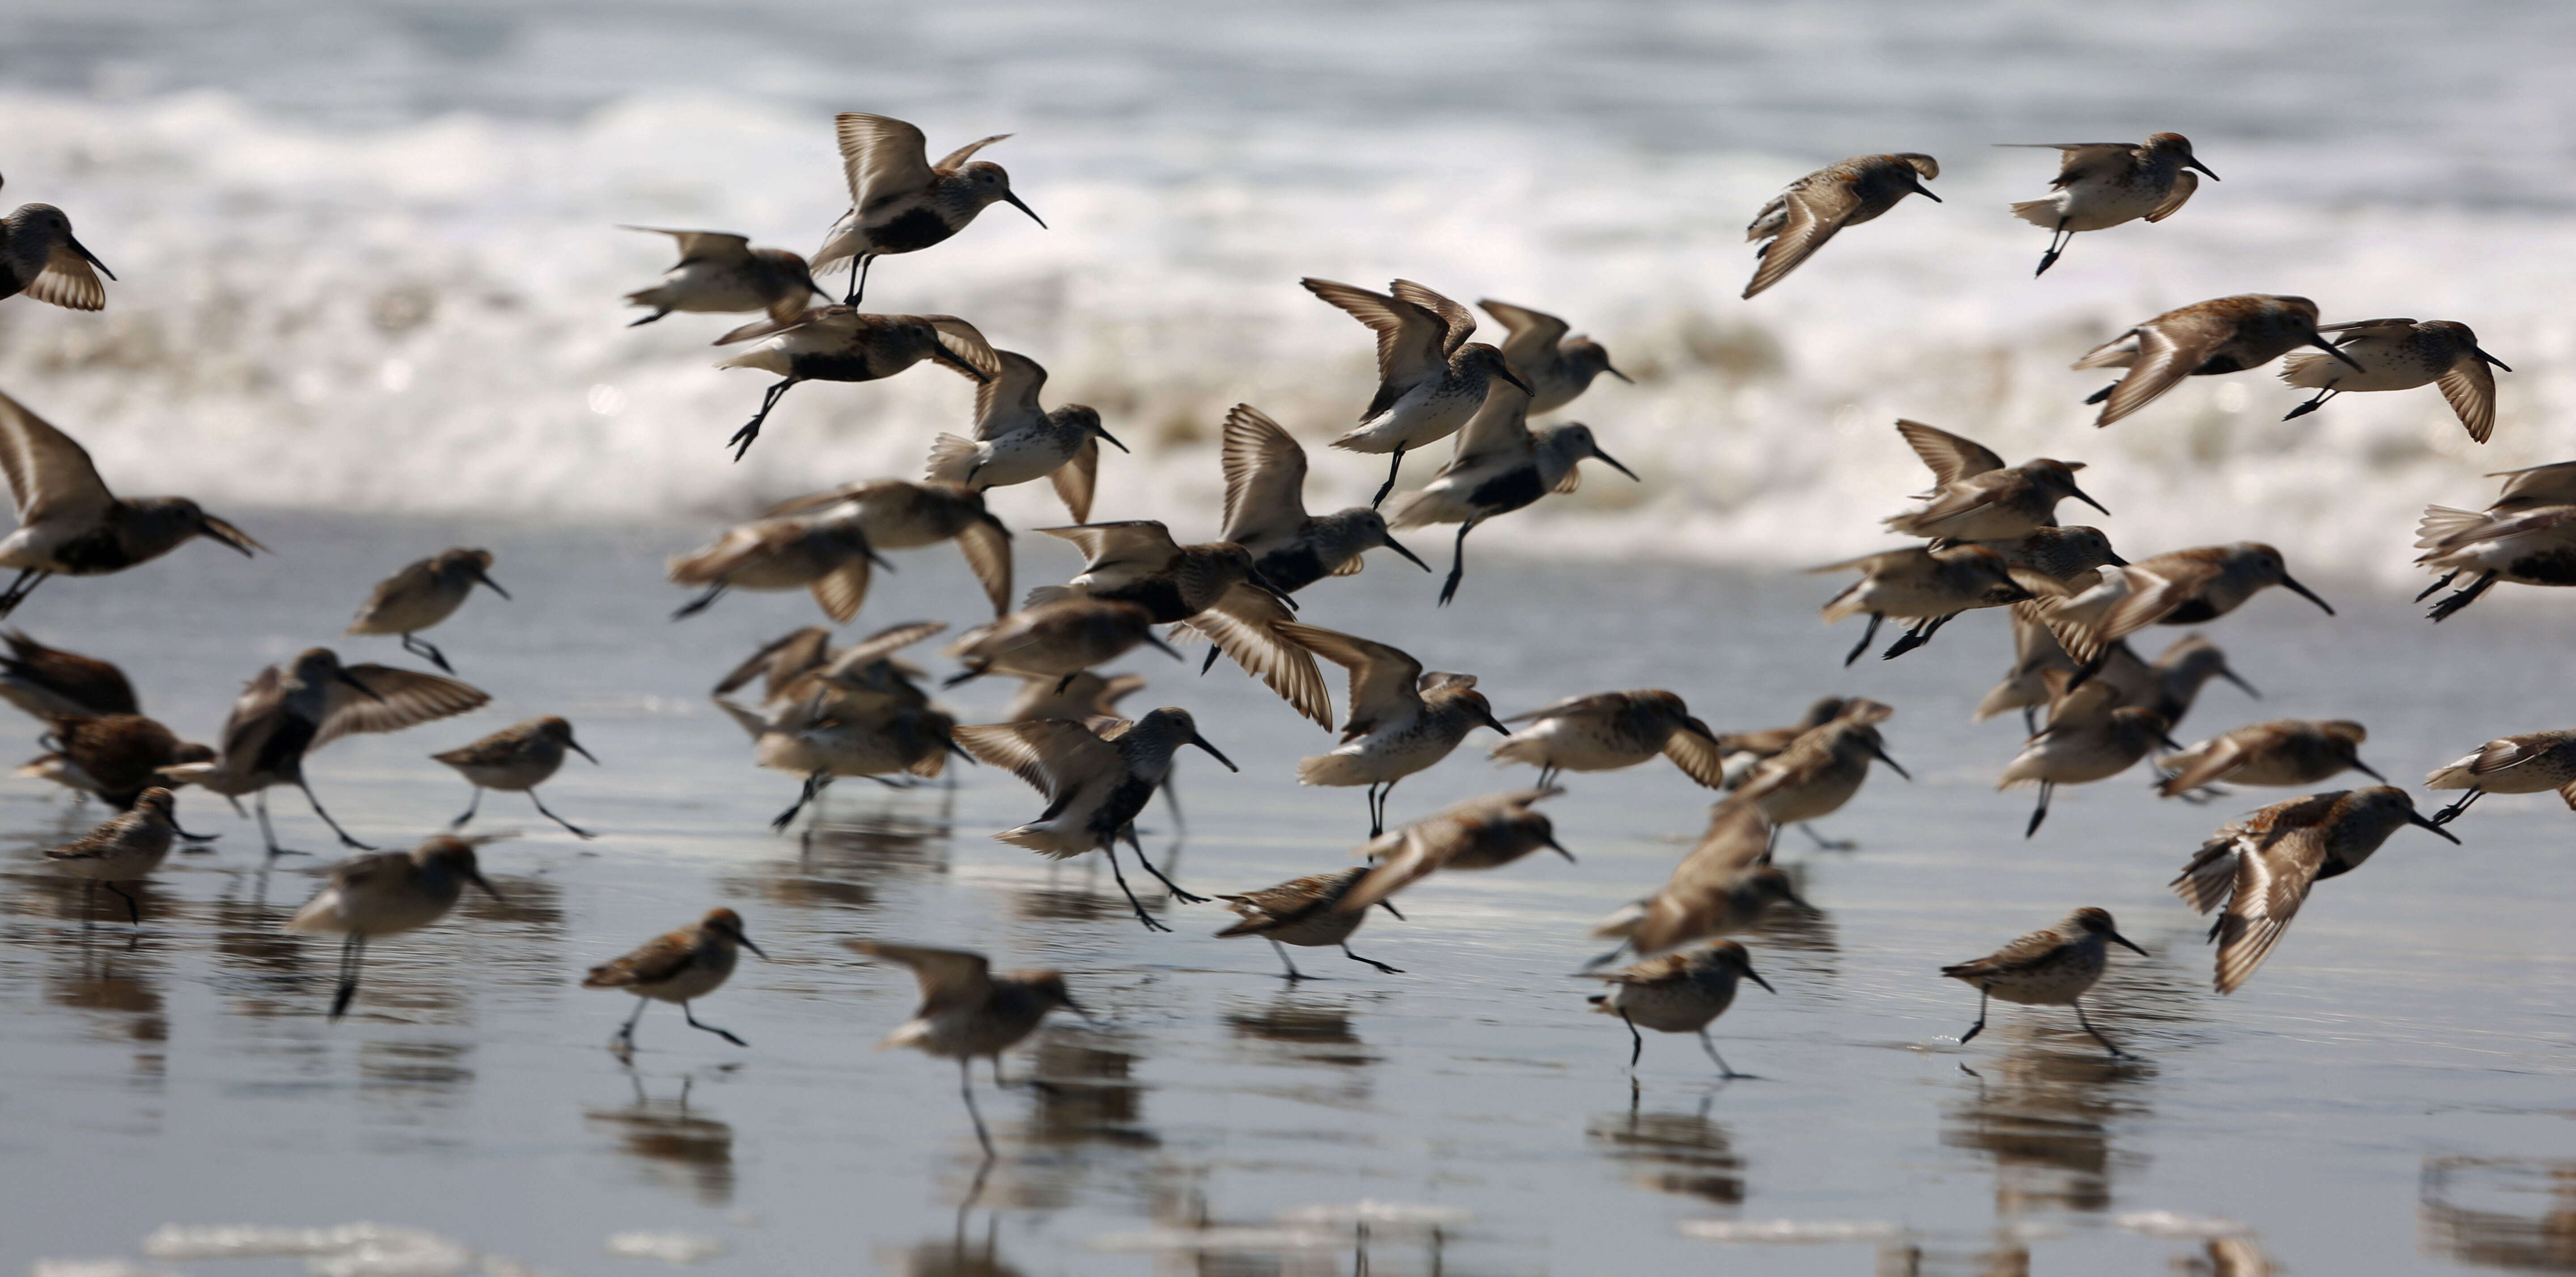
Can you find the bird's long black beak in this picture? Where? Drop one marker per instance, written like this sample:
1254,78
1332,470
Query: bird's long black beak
1202,742
1164,648
745,941
1613,463
2203,168
2112,558
1069,1004
1559,848
575,746
1926,192
2305,593
1880,753
92,258
475,876
1112,440
2368,770
2124,942
1033,213
2491,359
1756,977
352,680
210,526
2319,341
1605,367
494,586
2417,818
2239,679
1495,723
1504,371
1409,556
2078,494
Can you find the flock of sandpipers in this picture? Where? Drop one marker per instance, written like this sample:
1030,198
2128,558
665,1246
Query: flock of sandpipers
1988,534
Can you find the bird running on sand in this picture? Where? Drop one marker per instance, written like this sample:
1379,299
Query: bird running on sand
424,594
1016,441
1094,787
1056,642
2054,967
2204,339
1431,379
1265,510
1723,885
2100,185
900,202
1557,368
2185,587
1976,497
2262,867
1924,586
721,273
836,343
826,552
2285,751
1606,731
1212,589
1303,912
2090,736
677,966
68,522
385,893
1480,833
968,1009
1820,770
51,683
2533,763
516,759
115,756
290,710
1501,465
1679,993
897,515
126,847
1401,721
2400,354
40,257
2528,537
1800,219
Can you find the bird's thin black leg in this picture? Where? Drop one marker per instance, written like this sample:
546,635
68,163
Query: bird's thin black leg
626,1031
742,439
2313,404
1175,888
1867,637
693,1023
2452,812
1346,952
2107,1044
1111,850
1724,1070
1392,467
133,910
813,786
353,953
1980,1026
472,806
2040,812
1457,564
1293,974
2450,607
577,830
345,839
2057,241
1823,843
699,604
966,1087
425,650
2436,587
1637,1049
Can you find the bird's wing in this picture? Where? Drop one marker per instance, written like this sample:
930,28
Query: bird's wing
2470,386
1404,857
2167,352
1596,703
859,490
956,159
1408,338
1815,210
655,961
988,554
883,158
1244,624
2023,954
783,658
251,712
948,977
1697,756
1385,682
2205,763
2078,160
882,644
1951,457
2271,884
2156,588
1010,399
1738,838
841,318
1532,335
67,281
403,698
1265,478
1075,480
49,475
2554,482
1287,902
2354,329
964,341
1500,427
1457,322
2184,183
842,590
704,246
1141,543
1052,754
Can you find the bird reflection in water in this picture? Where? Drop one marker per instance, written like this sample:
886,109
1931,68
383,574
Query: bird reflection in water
673,1145
2042,1112
956,1255
2501,1212
1673,1152
840,865
2226,1257
1066,897
120,994
2007,1258
1297,1031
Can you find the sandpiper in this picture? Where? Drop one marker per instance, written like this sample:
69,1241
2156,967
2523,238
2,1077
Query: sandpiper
1402,720
721,273
836,343
2528,764
385,893
2171,684
115,756
1557,368
912,739
793,667
1076,696
1265,510
2285,751
1094,787
1302,912
1213,589
1800,219
1501,465
2035,652
781,662
1679,993
2400,354
2204,339
1976,497
677,966
2263,866
1921,585
1610,730
40,257
2102,184
2054,967
516,760
1480,833
968,1010
1819,771
50,683
2185,587
1431,379
424,594
1723,885
1057,641
2527,537
68,522
900,202
2051,563
2090,736
827,553
289,711
127,847
1739,751
896,515
1016,441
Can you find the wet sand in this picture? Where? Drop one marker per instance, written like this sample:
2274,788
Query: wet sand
2388,1094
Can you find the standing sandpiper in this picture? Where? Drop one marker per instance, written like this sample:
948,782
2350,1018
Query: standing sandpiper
2102,184
424,594
1401,721
1304,912
719,273
386,893
1976,497
516,760
2262,867
677,966
40,257
2049,968
1557,368
127,847
1015,440
1679,993
69,523
1431,379
900,202
1800,219
967,1010
836,343
2400,354
2204,339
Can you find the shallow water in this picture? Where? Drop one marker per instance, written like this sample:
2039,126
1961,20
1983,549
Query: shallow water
2388,1094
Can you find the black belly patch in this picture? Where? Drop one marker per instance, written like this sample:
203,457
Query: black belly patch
92,553
2555,567
916,230
2191,613
2219,364
1158,595
1124,802
842,368
1292,569
1505,493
